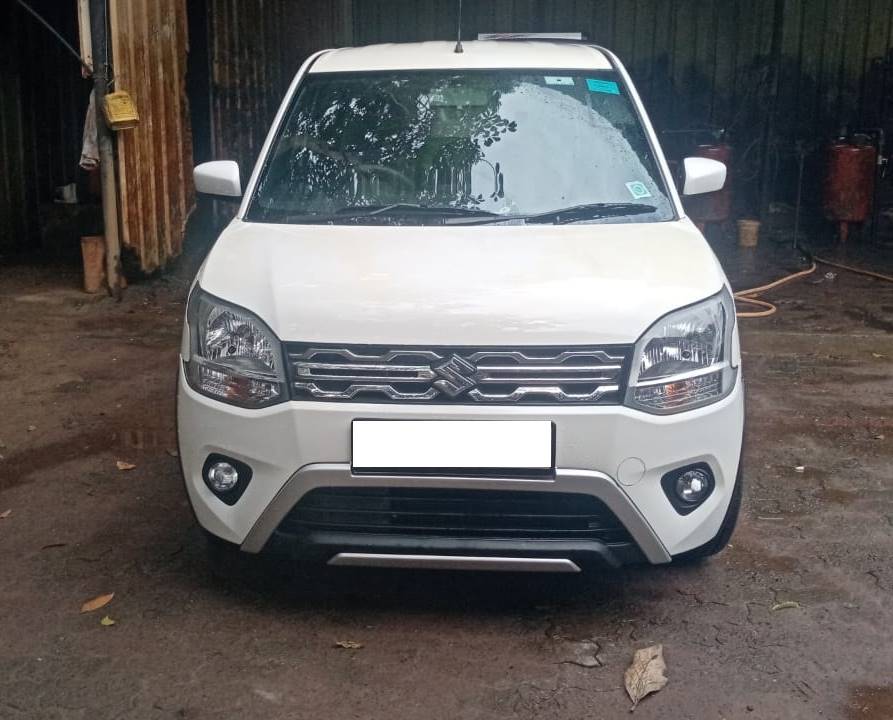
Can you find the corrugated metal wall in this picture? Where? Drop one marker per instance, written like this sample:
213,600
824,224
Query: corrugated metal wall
149,46
247,56
255,48
698,63
692,59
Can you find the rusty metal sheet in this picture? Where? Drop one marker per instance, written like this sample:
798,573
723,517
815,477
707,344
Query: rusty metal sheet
149,45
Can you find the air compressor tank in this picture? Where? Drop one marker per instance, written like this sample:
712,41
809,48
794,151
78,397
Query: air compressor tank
715,207
849,183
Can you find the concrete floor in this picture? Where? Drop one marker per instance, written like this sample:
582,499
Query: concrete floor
86,382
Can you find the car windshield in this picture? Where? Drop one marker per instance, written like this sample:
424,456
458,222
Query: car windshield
453,147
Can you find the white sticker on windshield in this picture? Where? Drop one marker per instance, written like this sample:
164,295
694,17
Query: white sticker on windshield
556,80
638,190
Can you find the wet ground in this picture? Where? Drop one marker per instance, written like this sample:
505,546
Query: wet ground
86,382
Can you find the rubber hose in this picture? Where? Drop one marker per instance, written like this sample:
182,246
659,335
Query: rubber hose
749,296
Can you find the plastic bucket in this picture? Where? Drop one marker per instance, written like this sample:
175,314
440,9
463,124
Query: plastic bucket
748,233
93,252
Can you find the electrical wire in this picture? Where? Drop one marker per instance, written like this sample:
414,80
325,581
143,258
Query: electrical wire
31,11
750,296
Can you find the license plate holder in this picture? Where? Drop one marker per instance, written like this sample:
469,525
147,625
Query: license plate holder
454,447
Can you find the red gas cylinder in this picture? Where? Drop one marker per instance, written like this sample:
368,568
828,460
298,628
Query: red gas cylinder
715,207
849,183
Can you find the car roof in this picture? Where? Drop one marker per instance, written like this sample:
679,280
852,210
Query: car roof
477,54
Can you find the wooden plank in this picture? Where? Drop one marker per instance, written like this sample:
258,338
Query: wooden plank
85,42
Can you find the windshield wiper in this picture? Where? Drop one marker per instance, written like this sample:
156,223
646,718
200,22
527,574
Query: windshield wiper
589,211
576,213
398,208
358,212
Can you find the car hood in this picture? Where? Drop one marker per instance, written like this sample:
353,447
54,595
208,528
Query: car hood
462,286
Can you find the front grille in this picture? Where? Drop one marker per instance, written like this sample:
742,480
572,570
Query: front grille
456,513
446,375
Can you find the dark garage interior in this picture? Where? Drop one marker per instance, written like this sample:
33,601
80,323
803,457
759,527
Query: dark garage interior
771,86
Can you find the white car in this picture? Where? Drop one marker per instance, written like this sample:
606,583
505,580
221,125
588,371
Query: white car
461,320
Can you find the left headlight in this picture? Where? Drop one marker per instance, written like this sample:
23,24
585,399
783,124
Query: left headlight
683,361
233,356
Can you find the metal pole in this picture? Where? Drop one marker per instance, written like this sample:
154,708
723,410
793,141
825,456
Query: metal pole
99,31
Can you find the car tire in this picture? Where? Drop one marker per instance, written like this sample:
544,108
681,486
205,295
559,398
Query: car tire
721,539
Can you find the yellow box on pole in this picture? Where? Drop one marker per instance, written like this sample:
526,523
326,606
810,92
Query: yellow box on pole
120,111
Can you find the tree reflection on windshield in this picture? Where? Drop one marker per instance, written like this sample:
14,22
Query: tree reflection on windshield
504,143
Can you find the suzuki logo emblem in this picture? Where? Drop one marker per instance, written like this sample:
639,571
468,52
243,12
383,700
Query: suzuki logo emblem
457,376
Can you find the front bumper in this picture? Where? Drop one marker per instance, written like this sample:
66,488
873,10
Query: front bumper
613,453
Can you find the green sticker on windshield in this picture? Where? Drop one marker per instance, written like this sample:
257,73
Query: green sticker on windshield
603,86
638,190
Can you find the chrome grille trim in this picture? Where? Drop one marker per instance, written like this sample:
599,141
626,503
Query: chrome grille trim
539,375
551,393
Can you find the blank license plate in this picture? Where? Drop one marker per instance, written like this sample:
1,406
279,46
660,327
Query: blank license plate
450,445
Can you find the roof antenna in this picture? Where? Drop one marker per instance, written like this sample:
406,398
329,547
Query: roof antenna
458,48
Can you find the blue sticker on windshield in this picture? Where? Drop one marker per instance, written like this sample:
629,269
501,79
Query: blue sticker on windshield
603,86
638,190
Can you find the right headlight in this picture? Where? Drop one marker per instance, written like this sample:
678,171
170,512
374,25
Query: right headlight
233,356
683,361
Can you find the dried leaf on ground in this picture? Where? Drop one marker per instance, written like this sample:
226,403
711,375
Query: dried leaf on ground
97,603
348,644
786,605
32,428
106,621
5,514
646,673
125,465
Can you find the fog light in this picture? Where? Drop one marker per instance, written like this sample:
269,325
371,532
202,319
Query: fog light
226,477
688,487
222,477
692,486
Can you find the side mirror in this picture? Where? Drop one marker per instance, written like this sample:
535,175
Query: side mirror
702,175
219,178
